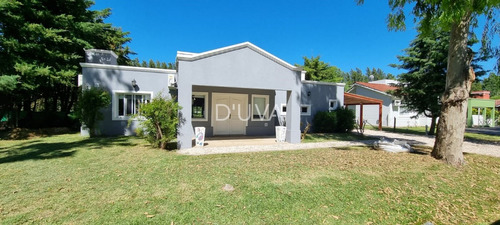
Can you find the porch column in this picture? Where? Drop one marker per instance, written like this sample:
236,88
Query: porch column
361,116
493,116
185,130
293,117
469,113
380,116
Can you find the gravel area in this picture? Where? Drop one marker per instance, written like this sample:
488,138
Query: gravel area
469,147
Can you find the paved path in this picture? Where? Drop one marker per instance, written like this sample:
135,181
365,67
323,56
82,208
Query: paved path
470,147
485,149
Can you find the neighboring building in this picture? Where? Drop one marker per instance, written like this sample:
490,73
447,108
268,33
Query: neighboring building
480,94
393,109
235,90
481,102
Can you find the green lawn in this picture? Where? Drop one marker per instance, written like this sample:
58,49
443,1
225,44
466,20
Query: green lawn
74,180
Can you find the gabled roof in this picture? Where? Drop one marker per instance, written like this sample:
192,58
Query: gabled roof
189,56
354,99
380,88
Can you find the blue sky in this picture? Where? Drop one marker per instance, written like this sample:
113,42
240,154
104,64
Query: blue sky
342,33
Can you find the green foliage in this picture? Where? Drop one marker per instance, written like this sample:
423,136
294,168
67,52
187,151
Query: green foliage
492,84
159,126
8,83
89,105
357,75
443,15
318,70
345,120
42,43
424,83
152,64
324,122
341,120
426,63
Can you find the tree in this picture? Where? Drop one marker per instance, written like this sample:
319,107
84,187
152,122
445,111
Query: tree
42,43
458,17
424,83
159,126
320,71
492,84
89,105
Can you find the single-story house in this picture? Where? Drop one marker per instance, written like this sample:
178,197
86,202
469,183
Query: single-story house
480,100
393,108
235,90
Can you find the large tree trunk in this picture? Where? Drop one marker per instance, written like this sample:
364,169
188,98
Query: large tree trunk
432,129
451,126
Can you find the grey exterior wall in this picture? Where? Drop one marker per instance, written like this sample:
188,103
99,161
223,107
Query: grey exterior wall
370,112
254,128
319,98
241,68
119,78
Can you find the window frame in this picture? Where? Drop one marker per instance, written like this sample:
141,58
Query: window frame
205,111
283,112
335,106
115,99
308,113
266,116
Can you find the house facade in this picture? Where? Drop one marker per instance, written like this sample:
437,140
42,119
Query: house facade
235,90
393,109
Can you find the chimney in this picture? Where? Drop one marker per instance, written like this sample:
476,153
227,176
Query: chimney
100,56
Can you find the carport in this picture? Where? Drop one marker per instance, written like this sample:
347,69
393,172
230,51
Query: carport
354,99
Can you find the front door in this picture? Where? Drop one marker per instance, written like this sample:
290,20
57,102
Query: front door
229,113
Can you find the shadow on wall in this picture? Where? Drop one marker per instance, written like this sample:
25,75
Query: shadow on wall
41,150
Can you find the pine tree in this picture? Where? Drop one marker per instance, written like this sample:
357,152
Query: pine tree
42,43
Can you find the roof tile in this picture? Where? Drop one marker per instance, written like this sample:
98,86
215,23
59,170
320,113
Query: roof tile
378,87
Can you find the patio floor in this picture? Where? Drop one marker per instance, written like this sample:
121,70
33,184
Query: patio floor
228,141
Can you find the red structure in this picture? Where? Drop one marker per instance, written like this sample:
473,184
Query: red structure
480,94
354,99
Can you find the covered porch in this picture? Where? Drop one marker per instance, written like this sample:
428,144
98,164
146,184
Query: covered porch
227,91
354,99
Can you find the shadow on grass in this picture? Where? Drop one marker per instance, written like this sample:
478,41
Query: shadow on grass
24,133
40,150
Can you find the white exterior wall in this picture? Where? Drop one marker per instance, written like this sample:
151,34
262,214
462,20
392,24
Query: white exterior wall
389,111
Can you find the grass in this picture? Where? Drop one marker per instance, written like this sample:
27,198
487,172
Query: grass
74,180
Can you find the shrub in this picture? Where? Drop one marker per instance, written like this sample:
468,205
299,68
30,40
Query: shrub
324,122
88,107
345,120
340,120
160,121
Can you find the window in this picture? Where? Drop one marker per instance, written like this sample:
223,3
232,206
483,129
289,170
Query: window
199,106
283,109
305,110
128,104
260,107
332,104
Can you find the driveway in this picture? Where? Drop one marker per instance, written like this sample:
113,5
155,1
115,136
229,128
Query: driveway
412,139
484,130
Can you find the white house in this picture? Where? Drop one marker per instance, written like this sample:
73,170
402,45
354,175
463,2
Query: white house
235,90
393,109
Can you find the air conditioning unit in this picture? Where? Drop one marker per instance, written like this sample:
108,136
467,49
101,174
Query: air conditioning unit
397,102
